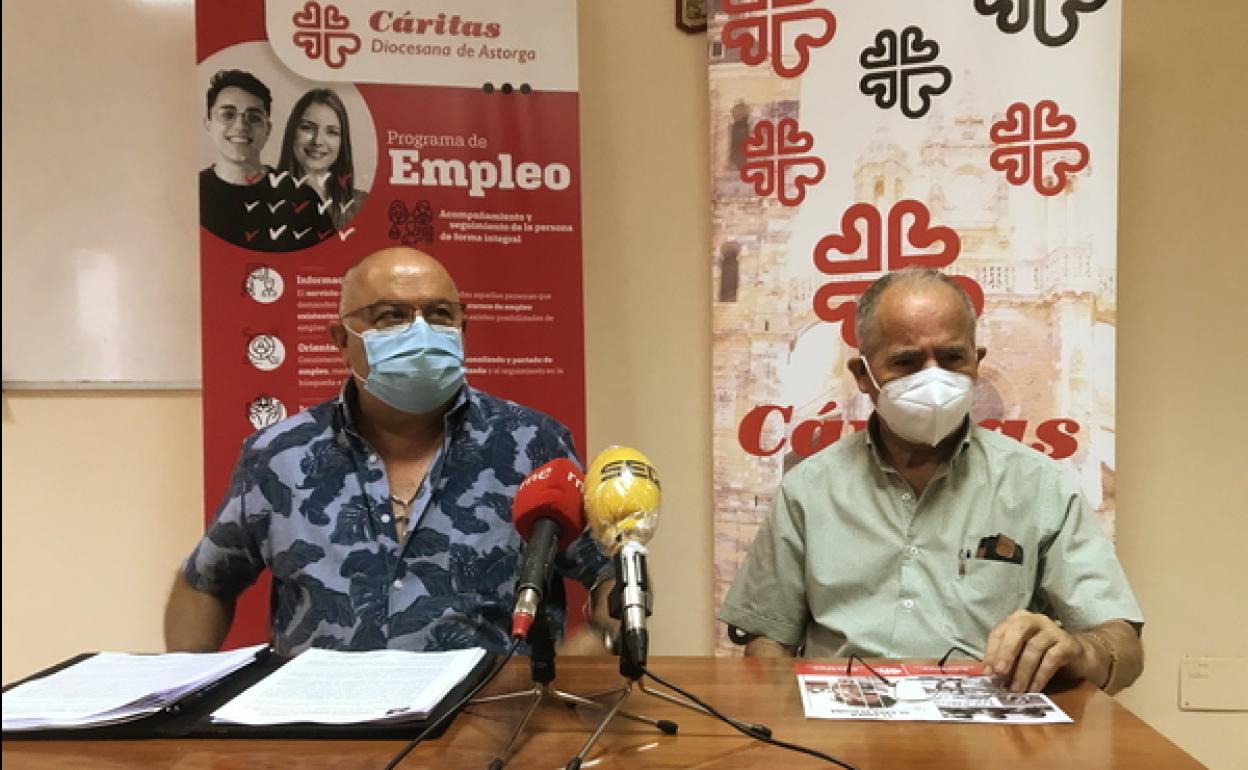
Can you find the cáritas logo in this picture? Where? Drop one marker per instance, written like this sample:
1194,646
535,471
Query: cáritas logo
324,32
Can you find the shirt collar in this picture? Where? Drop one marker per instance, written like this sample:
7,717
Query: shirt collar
346,407
875,441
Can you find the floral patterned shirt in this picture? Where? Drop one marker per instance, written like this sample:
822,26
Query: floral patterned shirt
309,500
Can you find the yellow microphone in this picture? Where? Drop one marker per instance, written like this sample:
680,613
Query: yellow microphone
622,495
622,504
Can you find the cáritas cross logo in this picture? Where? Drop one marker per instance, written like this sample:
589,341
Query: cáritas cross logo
781,32
778,151
1036,144
911,239
324,32
903,69
1013,16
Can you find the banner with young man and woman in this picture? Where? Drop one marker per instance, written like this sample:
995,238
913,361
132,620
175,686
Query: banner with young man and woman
852,139
333,129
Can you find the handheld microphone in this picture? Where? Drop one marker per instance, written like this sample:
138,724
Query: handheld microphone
622,501
548,514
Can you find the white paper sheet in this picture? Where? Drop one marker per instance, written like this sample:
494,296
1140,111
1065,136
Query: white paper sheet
333,687
113,686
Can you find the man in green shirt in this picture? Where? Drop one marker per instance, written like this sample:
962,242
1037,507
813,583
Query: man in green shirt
926,532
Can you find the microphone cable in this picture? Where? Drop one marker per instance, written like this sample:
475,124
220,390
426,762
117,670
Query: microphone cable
515,642
744,729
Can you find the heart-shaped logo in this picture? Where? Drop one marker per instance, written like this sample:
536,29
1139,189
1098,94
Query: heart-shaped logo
793,139
1050,123
915,49
339,45
334,19
309,16
1063,166
921,84
883,53
860,221
310,42
1014,127
804,42
921,234
1014,160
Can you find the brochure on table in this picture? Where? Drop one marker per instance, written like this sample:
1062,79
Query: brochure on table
918,693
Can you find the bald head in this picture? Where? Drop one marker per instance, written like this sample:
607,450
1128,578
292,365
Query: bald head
906,287
397,273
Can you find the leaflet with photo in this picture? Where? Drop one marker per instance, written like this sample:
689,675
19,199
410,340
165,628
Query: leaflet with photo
918,693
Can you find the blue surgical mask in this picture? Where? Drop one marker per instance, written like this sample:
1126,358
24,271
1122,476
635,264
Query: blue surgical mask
414,370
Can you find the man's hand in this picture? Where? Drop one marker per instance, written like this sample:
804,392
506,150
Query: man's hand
589,639
1034,648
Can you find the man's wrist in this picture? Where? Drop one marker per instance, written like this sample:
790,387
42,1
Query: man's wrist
1100,647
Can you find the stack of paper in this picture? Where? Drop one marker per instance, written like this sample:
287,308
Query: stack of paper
331,687
114,687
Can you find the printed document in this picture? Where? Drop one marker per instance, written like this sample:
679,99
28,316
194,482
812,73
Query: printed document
335,687
114,687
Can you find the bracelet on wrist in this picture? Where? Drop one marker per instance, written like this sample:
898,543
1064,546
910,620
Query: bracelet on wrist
1111,652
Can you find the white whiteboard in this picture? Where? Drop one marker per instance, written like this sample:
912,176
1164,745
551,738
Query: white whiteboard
100,236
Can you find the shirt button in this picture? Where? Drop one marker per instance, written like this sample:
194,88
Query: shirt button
398,584
906,496
385,518
912,551
908,604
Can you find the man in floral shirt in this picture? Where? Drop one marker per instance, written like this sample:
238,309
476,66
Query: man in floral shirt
385,513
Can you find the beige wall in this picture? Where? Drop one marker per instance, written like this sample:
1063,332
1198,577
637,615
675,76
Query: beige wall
1183,266
114,478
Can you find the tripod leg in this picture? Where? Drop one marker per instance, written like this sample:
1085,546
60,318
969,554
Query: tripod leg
575,762
501,759
668,727
503,696
586,700
601,693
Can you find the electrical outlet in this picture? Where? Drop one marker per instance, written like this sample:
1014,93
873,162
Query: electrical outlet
1213,684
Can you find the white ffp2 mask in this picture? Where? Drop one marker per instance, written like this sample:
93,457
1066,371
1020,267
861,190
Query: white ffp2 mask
926,406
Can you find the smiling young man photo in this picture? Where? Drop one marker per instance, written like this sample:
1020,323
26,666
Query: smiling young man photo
241,199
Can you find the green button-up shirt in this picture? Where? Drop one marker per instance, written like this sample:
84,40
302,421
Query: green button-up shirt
851,561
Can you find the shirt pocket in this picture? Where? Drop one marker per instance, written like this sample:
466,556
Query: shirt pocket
984,596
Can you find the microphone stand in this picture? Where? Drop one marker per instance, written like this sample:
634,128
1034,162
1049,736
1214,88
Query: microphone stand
542,671
631,594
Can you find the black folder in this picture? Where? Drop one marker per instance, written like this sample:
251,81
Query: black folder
189,717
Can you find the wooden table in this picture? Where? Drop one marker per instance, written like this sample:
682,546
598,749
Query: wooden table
1104,735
